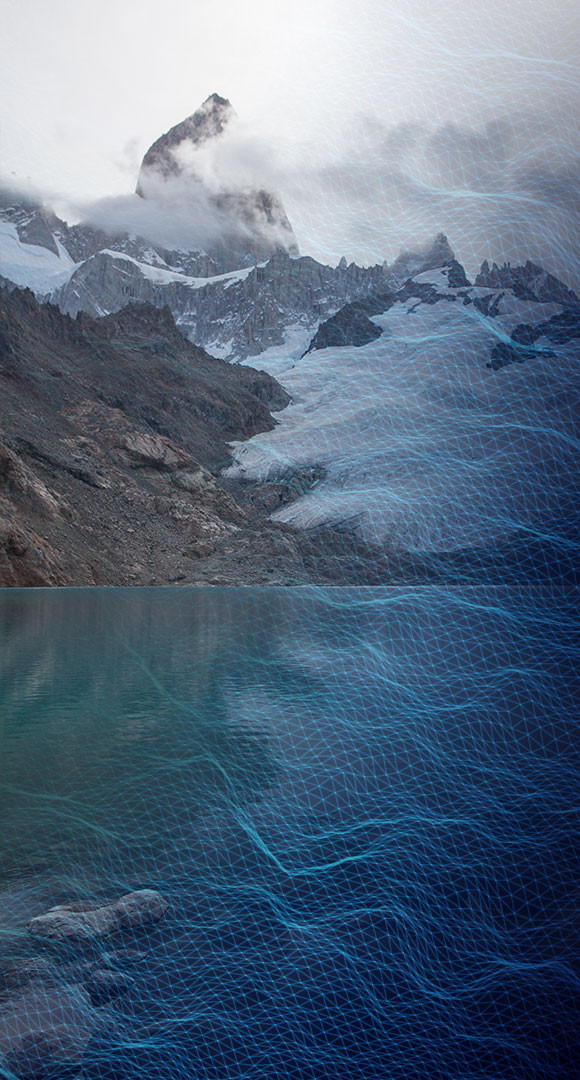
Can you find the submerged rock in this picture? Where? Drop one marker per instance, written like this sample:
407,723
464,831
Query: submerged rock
45,1030
21,972
80,922
103,985
52,1012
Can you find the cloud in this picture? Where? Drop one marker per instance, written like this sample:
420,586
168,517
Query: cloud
508,189
128,160
177,218
505,189
210,200
238,158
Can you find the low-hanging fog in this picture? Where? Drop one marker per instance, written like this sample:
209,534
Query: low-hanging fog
379,124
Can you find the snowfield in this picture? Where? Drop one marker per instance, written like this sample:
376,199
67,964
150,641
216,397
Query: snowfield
30,266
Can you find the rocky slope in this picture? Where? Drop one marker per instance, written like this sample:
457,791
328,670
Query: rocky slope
113,433
110,434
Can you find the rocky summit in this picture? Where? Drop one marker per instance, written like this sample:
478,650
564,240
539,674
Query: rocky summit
207,123
251,223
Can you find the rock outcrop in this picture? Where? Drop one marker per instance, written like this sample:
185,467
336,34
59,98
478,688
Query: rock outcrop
527,282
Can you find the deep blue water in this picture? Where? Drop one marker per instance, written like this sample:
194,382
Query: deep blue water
361,803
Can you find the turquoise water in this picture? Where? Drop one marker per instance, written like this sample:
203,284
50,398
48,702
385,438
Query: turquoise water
361,803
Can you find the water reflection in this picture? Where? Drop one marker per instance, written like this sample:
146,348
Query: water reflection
117,735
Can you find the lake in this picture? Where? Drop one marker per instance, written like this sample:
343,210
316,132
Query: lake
361,804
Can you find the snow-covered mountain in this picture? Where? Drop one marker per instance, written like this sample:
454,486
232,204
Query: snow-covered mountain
276,304
234,311
240,290
438,414
32,253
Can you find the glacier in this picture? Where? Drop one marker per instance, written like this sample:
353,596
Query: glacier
423,447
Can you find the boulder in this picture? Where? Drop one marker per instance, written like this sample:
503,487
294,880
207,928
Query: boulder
79,923
156,452
139,908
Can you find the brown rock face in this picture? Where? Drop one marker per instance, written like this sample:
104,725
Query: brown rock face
26,560
156,451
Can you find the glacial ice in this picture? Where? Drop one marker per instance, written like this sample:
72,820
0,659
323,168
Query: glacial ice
423,445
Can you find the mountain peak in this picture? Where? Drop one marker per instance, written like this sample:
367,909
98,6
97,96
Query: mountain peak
435,254
217,100
187,167
206,123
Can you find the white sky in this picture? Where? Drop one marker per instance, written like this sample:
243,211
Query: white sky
87,86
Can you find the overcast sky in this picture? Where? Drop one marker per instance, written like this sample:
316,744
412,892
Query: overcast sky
387,120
